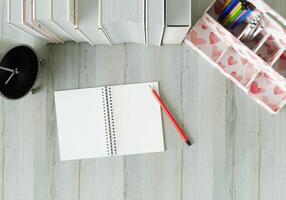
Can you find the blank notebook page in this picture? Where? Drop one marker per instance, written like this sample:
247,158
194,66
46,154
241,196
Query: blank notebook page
108,121
80,124
137,116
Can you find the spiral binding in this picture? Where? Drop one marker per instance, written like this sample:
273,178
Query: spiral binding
109,124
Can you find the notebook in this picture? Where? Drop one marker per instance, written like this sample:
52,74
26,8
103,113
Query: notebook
108,121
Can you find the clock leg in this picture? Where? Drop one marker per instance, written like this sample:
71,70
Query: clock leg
33,91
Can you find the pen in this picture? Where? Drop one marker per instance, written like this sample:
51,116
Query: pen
171,117
228,9
248,30
257,31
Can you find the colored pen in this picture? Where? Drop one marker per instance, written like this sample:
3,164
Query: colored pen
234,17
225,5
237,19
228,9
170,116
232,13
246,14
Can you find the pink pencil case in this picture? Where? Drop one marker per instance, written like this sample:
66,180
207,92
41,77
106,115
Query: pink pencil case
258,67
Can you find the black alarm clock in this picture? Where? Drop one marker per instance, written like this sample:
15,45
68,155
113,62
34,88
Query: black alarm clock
18,71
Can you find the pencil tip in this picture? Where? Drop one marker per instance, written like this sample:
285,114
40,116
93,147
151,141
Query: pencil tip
188,143
150,87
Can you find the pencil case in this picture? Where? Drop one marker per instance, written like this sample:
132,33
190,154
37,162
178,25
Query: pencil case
258,66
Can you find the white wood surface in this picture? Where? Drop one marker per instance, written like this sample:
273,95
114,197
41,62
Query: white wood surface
238,152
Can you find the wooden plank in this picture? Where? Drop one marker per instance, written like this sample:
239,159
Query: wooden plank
156,176
2,124
64,63
44,139
246,146
205,112
19,131
101,178
224,161
26,164
272,156
1,17
272,159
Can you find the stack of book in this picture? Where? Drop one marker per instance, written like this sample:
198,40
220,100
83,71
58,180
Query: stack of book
103,22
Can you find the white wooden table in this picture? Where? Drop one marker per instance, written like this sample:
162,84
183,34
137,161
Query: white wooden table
239,150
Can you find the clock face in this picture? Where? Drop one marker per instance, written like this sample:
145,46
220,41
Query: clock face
18,72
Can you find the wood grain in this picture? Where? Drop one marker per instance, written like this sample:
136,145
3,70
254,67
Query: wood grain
238,149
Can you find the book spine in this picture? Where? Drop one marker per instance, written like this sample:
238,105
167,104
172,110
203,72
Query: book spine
109,123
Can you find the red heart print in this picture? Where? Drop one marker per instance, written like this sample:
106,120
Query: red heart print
221,65
195,39
271,105
255,89
278,90
204,25
213,38
244,61
238,78
216,52
231,61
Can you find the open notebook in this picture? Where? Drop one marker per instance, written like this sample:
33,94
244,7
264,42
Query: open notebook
108,121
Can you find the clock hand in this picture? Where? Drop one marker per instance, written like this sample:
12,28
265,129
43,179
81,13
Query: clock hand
9,78
15,71
7,69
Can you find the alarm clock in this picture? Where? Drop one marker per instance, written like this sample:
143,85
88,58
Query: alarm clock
18,69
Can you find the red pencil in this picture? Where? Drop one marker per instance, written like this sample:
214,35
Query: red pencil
170,116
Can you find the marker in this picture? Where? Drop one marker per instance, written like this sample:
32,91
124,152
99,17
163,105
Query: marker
232,13
237,19
228,9
225,5
245,15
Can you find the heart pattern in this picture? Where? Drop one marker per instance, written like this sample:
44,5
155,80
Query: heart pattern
234,75
255,89
244,61
231,61
221,65
265,89
204,36
196,39
266,100
213,38
278,90
204,25
238,63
